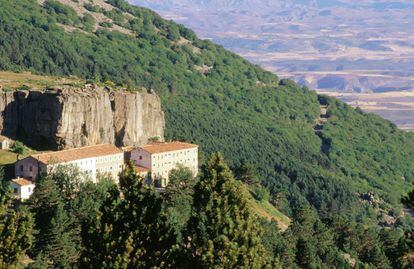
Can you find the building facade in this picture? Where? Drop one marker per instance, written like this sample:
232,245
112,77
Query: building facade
92,160
159,158
4,142
22,188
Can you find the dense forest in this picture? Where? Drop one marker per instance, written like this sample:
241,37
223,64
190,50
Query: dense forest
222,102
231,106
203,222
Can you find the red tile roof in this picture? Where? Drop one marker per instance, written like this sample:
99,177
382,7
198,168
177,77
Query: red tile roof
22,182
140,169
77,153
2,138
159,147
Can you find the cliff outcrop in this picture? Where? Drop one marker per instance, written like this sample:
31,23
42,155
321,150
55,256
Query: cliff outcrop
67,117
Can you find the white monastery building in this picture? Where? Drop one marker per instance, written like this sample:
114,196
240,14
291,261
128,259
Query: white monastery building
93,160
22,188
159,158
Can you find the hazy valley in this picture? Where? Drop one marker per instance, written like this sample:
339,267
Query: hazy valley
331,46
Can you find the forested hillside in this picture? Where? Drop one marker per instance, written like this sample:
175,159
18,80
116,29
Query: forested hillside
217,99
339,175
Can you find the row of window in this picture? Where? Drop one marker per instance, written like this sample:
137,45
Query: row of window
174,154
109,158
31,168
85,162
108,169
176,162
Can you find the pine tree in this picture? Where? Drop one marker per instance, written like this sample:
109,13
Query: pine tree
55,240
61,249
222,233
276,245
306,254
406,250
390,239
15,229
39,263
409,200
43,204
178,199
246,173
15,234
131,231
313,241
89,199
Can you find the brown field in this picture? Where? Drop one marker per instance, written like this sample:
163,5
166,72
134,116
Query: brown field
397,107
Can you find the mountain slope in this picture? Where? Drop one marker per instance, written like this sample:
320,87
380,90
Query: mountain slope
216,99
264,209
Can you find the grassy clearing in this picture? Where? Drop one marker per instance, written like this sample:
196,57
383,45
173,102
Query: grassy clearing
7,157
274,212
265,209
12,81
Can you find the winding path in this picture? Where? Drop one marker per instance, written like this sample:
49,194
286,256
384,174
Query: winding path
322,119
318,128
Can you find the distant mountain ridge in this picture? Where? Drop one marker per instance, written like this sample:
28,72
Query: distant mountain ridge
260,4
308,40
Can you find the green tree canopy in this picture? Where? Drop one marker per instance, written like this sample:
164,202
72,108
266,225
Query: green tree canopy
409,200
222,232
178,199
247,174
130,232
19,148
15,229
56,239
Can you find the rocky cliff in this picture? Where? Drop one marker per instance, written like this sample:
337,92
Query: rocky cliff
67,117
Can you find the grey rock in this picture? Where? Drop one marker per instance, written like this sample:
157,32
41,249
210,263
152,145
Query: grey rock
66,117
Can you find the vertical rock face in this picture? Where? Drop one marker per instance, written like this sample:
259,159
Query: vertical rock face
131,113
65,118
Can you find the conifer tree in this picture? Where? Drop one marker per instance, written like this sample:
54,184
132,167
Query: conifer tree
15,230
409,200
39,263
313,241
60,250
178,198
55,239
276,245
222,233
131,231
246,173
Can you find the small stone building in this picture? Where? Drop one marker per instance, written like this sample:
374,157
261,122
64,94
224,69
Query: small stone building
4,142
22,188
